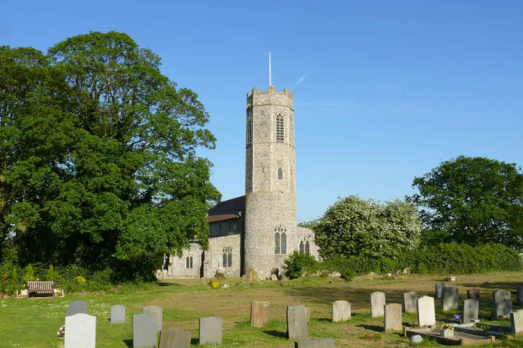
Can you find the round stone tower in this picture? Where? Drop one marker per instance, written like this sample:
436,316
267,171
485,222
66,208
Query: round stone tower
270,181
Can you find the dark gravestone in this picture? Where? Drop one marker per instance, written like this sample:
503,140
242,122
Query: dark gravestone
144,331
450,298
117,314
473,294
470,310
502,305
410,302
297,323
439,289
211,330
175,338
519,291
315,343
76,307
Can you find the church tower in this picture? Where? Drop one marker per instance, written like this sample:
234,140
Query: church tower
270,181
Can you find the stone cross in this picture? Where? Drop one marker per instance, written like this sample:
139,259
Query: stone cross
144,330
502,305
158,311
81,331
175,338
211,330
117,314
450,298
410,300
393,320
340,311
426,311
470,310
259,313
297,322
377,303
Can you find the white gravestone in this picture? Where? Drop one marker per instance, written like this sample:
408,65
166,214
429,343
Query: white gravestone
426,311
377,304
340,311
80,331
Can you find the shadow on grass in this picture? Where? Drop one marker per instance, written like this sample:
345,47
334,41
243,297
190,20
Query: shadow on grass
194,341
128,343
275,333
371,327
168,284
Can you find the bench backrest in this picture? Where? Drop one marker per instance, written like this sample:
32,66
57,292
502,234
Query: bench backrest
40,285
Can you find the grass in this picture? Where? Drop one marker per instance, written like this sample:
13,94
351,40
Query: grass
34,322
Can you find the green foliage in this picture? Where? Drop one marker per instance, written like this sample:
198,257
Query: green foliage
473,200
296,264
29,274
98,163
367,229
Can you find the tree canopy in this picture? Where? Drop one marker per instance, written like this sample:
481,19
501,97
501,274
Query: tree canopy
98,162
473,200
366,228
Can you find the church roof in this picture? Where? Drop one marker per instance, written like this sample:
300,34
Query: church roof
230,209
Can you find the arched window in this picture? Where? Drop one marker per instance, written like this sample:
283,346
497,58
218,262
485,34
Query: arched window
227,257
230,259
307,248
302,247
249,128
280,135
188,262
280,240
280,174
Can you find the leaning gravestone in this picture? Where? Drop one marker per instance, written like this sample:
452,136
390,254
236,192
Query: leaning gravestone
76,307
81,331
439,289
175,338
392,318
117,314
211,330
410,300
259,313
158,311
144,331
502,305
519,290
377,303
297,323
426,311
470,310
473,294
340,311
450,298
516,321
315,343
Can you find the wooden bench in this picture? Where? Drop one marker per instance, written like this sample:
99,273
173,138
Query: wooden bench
40,287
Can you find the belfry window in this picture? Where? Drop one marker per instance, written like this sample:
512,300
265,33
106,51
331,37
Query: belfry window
249,128
227,257
302,247
307,248
280,135
280,240
280,174
189,262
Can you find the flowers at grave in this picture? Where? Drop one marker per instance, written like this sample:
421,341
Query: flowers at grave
447,326
214,284
372,337
61,331
458,317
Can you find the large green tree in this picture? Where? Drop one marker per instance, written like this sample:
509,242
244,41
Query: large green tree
99,163
366,228
474,200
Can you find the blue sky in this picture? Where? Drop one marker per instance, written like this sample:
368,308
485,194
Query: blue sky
391,88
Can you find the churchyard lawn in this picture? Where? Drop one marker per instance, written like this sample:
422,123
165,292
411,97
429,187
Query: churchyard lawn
33,323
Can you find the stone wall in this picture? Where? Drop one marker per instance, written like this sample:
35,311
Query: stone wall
306,234
214,256
178,265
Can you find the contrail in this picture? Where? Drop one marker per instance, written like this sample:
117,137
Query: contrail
300,80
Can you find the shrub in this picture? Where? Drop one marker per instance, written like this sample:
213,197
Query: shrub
29,274
296,264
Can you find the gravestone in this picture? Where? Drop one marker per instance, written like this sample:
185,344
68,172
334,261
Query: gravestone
410,300
76,307
117,314
439,289
81,331
473,294
158,311
426,311
470,310
340,311
144,331
315,343
377,303
211,330
392,319
502,305
450,298
519,290
297,323
175,338
259,313
516,321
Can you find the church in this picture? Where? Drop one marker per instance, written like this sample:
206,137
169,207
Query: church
257,230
